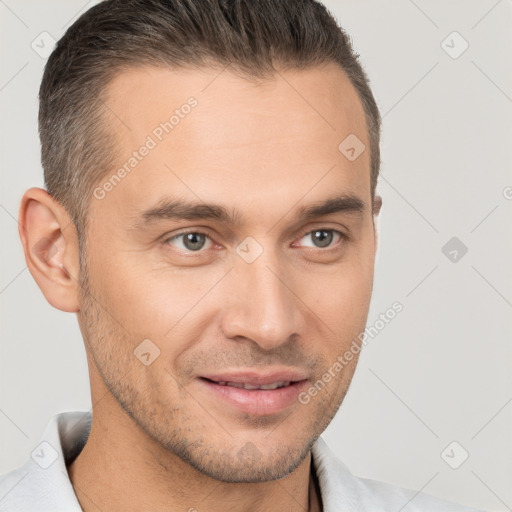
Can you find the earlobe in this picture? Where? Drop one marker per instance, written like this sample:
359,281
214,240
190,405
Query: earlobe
50,244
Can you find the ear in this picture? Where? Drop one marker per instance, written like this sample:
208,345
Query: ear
376,206
50,243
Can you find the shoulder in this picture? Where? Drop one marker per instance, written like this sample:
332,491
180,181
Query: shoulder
42,482
407,500
10,486
31,487
340,489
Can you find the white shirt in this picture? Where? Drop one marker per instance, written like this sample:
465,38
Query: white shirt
42,484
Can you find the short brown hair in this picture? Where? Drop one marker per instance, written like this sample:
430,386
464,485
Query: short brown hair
253,37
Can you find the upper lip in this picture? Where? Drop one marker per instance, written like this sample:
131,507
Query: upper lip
255,378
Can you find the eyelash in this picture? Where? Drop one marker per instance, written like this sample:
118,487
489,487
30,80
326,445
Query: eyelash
343,237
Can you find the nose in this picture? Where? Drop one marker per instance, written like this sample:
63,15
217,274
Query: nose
262,305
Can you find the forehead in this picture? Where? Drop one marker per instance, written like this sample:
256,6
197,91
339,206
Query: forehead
214,135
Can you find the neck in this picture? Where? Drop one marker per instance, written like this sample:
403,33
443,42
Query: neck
121,469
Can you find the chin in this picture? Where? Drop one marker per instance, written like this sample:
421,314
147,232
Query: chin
249,464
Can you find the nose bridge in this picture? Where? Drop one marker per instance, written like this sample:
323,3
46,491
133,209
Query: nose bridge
262,306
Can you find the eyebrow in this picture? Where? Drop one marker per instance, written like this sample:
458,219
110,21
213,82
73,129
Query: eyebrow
177,209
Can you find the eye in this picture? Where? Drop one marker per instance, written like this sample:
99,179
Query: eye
196,241
191,240
323,237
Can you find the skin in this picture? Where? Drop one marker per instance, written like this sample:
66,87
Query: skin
160,441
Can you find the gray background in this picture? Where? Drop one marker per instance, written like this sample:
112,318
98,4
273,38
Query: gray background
440,371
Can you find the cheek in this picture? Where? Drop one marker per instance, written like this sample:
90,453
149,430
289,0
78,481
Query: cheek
345,293
343,309
152,299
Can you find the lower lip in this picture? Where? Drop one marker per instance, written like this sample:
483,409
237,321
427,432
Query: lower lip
256,401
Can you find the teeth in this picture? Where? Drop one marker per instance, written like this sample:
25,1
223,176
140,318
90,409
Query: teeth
240,385
275,385
249,386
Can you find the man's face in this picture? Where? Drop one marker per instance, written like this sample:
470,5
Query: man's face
277,307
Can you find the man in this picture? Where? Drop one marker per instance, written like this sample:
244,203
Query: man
247,129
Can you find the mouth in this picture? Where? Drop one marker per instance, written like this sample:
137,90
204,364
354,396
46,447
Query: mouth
249,386
250,393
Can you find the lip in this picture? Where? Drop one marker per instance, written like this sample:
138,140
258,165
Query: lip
260,402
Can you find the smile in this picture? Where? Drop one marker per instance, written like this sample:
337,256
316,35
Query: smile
253,393
245,385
